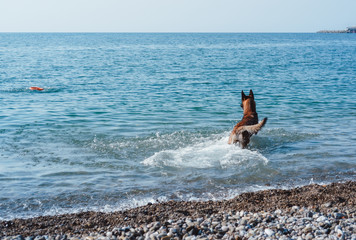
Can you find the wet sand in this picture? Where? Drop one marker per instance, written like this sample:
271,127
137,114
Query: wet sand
321,199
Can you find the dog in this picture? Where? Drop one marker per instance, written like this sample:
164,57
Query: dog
249,124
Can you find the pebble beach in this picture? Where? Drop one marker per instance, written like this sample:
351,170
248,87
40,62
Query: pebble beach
308,212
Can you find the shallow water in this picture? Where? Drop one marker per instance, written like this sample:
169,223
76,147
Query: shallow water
127,119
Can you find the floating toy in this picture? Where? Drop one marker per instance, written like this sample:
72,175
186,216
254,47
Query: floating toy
36,88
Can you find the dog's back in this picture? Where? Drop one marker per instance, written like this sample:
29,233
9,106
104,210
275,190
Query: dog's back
249,124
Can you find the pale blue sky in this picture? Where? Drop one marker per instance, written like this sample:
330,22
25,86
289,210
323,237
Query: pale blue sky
175,15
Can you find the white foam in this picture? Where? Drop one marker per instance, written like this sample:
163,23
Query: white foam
206,154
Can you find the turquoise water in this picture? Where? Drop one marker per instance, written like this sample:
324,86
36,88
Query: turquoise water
127,119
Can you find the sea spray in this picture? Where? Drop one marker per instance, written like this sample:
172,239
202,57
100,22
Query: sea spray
206,154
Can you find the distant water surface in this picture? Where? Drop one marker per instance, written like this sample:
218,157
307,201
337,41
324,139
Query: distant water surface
127,119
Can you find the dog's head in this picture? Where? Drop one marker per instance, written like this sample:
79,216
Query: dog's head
248,102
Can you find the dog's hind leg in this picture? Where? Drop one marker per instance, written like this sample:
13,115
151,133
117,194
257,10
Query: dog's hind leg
233,138
244,139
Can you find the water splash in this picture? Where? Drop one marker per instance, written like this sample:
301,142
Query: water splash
206,154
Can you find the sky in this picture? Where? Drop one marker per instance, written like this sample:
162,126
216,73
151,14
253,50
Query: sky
176,15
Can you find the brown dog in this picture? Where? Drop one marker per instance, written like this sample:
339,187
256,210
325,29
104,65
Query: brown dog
249,124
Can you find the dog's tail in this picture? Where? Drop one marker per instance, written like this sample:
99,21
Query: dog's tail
252,129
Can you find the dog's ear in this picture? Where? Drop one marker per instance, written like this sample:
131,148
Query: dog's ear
243,96
251,94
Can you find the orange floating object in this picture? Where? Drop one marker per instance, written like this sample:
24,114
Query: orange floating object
36,88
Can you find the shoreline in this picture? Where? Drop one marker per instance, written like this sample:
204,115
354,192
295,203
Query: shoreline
335,201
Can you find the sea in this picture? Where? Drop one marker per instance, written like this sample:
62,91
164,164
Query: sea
127,119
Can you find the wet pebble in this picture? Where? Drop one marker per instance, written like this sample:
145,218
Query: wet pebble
266,215
296,223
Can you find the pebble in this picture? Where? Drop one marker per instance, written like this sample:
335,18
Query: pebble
321,219
309,236
308,228
224,228
269,232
